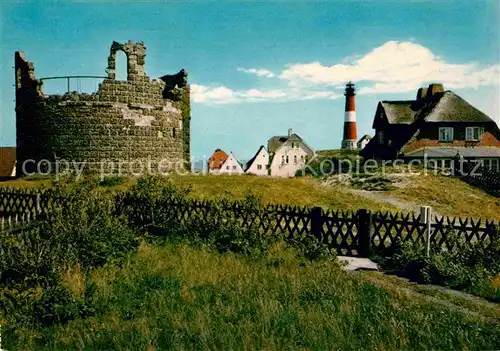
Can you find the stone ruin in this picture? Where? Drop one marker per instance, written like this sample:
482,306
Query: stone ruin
132,122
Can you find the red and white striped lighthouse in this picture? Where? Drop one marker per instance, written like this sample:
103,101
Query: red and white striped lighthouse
350,128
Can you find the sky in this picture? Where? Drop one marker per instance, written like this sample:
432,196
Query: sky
257,69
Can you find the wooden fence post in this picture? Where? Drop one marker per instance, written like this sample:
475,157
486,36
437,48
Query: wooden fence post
365,232
38,203
316,215
425,218
495,232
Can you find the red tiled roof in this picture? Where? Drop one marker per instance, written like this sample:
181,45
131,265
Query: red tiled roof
7,161
217,159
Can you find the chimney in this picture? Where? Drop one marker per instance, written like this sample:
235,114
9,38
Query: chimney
350,128
289,132
421,94
434,89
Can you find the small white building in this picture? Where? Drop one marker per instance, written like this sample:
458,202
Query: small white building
231,165
365,139
259,164
288,154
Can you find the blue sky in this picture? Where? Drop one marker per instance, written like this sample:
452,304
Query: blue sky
259,68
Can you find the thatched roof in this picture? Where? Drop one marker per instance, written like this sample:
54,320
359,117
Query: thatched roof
399,112
275,142
452,108
443,107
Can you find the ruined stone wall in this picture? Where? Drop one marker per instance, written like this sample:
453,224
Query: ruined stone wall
127,124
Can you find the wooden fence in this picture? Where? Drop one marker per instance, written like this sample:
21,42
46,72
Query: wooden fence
23,201
482,177
15,224
352,233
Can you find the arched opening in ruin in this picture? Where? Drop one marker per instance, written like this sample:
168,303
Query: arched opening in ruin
121,62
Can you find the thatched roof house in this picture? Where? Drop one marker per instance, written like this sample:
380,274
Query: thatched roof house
435,119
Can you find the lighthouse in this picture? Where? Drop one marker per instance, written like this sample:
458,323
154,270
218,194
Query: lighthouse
350,129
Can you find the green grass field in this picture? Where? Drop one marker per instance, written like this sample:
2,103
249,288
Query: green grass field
180,297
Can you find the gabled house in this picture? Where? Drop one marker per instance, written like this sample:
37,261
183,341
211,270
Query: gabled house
7,162
259,164
288,154
231,165
216,160
435,121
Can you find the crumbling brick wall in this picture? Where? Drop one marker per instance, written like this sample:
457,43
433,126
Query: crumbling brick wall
131,123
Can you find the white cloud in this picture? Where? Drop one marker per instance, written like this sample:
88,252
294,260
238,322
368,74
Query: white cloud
202,94
392,68
260,72
223,95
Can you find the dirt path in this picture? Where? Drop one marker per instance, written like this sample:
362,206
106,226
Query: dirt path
382,196
483,309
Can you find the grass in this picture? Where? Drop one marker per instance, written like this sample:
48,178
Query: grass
295,191
181,297
470,302
448,196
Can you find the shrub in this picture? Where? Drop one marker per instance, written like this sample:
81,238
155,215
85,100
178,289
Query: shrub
162,210
159,208
112,181
83,230
468,266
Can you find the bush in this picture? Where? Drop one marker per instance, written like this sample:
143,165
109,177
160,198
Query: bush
162,210
156,206
85,231
112,181
468,266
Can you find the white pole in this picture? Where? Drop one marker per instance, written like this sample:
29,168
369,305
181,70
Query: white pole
425,218
429,219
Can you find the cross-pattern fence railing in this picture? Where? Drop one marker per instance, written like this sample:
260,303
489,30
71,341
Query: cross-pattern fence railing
352,233
480,176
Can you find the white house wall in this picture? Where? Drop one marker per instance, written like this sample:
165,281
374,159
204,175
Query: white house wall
296,159
363,143
231,166
262,160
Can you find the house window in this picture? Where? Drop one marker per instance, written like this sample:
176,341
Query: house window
302,158
282,159
295,159
295,144
306,158
287,160
234,167
473,133
227,167
259,167
381,137
494,164
446,134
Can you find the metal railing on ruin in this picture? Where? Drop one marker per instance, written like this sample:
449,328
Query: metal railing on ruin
68,79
